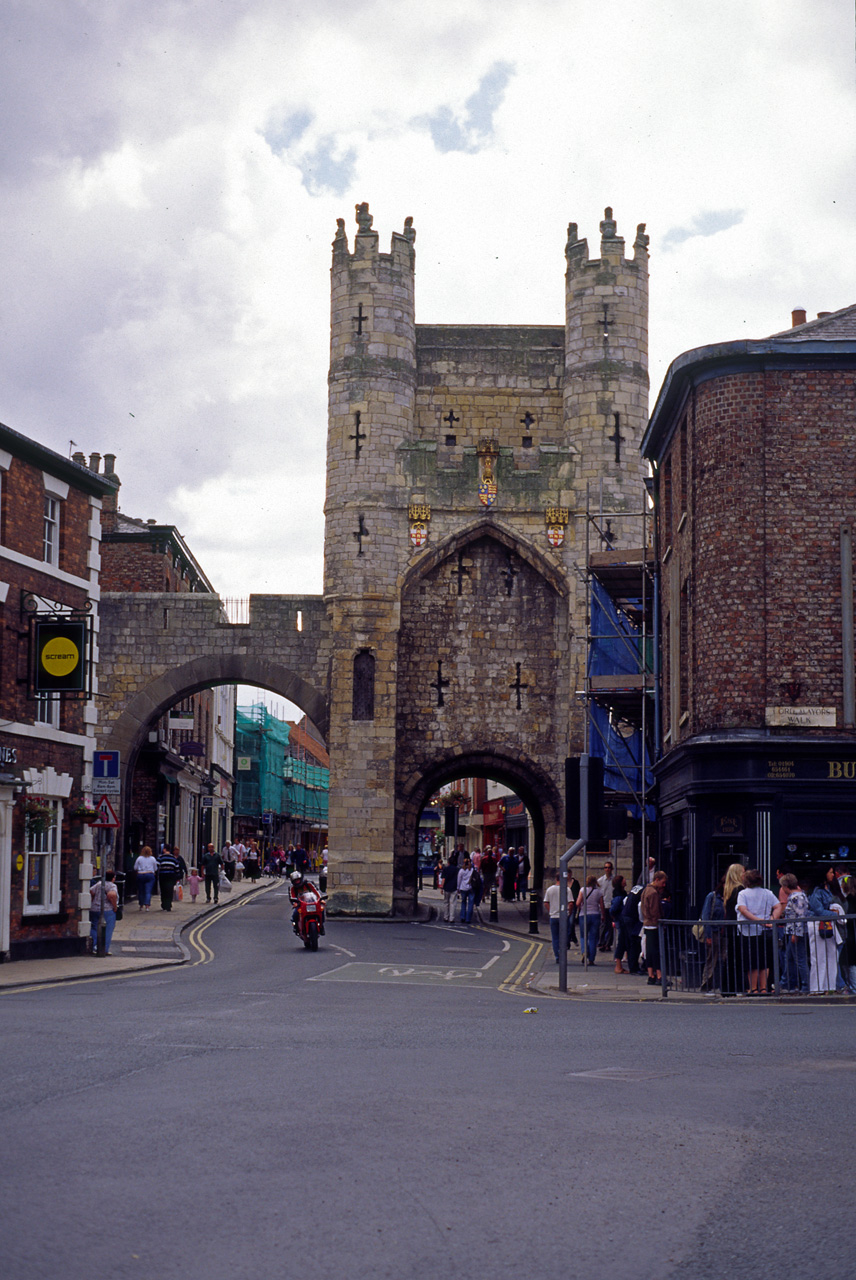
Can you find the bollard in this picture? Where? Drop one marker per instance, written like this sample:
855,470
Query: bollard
533,910
494,909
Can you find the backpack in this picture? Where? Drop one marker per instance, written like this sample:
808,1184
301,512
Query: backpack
632,904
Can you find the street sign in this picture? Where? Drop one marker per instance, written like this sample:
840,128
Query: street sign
105,764
106,814
102,786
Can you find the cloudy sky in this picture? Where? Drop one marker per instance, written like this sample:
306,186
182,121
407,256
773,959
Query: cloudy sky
172,171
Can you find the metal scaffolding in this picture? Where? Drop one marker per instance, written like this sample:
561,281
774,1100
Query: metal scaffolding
622,685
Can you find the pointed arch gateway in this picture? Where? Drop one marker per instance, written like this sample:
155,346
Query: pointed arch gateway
483,683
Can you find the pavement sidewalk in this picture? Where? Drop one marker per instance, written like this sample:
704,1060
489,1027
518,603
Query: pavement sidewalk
141,940
597,982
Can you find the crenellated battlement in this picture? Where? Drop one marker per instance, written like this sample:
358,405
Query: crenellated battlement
366,251
611,248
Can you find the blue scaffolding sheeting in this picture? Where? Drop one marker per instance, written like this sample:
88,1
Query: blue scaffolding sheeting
617,648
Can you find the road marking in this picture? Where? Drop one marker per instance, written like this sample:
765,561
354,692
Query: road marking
334,947
627,1074
531,954
403,974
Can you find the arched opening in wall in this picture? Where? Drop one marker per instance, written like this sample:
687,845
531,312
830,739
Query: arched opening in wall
236,766
479,801
488,823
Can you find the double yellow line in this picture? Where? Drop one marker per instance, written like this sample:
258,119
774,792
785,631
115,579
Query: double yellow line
194,938
530,955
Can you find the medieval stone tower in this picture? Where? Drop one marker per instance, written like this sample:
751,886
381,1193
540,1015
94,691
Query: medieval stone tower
457,465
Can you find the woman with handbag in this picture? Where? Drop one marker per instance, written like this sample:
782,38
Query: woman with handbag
824,936
590,911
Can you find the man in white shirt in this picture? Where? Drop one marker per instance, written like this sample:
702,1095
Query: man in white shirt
551,907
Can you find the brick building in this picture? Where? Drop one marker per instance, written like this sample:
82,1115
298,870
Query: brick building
182,783
49,558
754,449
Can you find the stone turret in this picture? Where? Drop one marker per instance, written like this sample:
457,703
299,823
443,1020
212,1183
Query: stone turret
606,360
372,388
372,383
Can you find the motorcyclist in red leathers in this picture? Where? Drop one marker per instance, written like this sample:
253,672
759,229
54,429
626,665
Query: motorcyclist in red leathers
299,884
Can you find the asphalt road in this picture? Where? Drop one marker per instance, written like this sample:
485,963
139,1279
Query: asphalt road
385,1108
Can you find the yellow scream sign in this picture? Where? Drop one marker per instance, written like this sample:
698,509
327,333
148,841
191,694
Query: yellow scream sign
60,656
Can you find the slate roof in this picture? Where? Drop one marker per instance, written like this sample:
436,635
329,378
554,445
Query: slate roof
838,326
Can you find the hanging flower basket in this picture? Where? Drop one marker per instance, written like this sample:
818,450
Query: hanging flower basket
83,813
39,815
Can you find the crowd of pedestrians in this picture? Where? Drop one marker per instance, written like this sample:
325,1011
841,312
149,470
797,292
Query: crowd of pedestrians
816,943
469,878
168,874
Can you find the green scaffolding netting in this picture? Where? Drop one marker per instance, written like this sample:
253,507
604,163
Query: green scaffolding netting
271,776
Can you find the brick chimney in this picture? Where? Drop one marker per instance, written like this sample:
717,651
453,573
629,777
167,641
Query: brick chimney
110,502
797,317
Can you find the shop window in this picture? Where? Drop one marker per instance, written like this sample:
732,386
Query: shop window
51,530
41,886
364,681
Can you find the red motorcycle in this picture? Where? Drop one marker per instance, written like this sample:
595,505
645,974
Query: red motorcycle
310,916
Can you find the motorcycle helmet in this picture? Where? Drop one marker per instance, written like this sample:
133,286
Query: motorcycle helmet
296,877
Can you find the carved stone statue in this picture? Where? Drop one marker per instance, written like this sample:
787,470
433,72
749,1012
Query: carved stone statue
364,218
609,226
572,241
641,241
340,229
409,230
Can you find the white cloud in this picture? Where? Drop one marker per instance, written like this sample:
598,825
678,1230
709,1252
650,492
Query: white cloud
472,129
169,207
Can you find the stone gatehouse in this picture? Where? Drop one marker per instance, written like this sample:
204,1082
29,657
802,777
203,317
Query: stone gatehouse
450,638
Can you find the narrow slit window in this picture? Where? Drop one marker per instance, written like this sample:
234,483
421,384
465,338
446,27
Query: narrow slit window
364,682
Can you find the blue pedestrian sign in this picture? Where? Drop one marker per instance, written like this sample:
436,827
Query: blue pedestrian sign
105,764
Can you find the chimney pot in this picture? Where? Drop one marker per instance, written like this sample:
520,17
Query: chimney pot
109,464
797,317
79,458
821,315
95,462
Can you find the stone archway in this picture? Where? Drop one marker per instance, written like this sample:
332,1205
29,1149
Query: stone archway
483,684
536,789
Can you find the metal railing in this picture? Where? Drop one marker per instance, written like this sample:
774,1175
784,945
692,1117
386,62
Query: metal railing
720,957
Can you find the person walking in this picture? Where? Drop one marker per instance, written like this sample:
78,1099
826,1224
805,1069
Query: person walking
146,866
524,866
508,868
488,870
108,907
552,905
449,885
619,893
169,869
465,889
211,864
